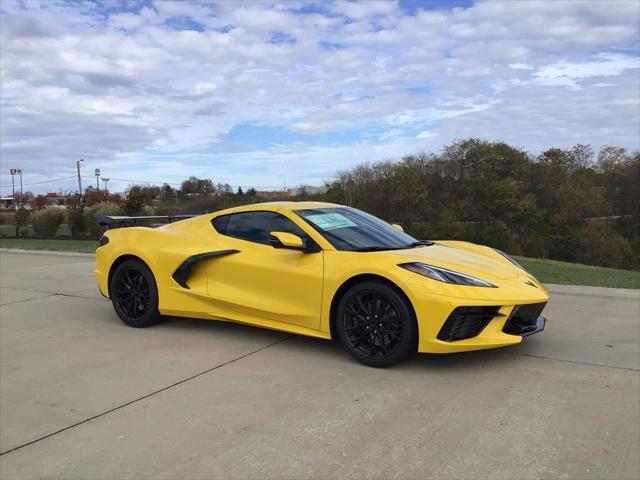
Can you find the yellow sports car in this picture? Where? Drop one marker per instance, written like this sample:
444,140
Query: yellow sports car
322,270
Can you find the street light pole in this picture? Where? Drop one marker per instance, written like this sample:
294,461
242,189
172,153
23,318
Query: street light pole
20,173
79,181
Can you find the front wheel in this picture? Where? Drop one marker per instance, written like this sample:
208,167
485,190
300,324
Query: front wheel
376,324
134,294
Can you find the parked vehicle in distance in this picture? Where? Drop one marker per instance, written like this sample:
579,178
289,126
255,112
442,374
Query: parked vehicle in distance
322,270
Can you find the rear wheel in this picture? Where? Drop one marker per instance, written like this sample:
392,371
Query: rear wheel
134,294
376,324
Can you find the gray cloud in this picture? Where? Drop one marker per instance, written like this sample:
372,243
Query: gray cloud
154,91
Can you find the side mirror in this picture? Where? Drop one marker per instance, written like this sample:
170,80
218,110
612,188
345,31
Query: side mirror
398,226
289,241
285,240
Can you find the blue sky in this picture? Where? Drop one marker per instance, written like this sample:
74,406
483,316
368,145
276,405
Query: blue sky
261,94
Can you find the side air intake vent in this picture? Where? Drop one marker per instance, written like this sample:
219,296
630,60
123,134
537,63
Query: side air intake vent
466,322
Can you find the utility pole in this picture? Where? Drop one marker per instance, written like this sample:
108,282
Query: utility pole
20,173
79,181
96,172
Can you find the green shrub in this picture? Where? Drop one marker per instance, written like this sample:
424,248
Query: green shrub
21,220
600,244
47,221
7,218
104,208
75,215
146,211
77,223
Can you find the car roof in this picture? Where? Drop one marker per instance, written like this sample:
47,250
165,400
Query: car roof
275,206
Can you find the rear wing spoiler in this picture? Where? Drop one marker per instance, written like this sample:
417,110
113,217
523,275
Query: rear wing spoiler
109,220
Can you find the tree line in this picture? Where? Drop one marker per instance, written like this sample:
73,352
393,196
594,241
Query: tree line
569,204
564,204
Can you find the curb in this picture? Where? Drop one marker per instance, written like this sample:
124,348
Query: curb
47,252
585,290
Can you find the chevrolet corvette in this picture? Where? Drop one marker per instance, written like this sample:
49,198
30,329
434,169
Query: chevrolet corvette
322,270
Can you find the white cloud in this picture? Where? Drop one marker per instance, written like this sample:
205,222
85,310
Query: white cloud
170,80
426,134
570,74
520,66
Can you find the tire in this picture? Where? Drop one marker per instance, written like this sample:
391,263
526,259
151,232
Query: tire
134,294
376,324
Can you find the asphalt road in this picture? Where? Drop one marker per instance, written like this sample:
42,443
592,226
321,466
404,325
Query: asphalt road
84,396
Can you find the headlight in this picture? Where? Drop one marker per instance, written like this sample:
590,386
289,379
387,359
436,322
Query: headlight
445,275
511,259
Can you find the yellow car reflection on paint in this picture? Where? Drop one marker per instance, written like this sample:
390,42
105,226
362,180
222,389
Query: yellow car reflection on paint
322,270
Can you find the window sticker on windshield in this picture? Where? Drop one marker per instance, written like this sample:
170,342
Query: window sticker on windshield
330,221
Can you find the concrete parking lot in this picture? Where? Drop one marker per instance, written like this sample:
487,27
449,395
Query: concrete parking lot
84,396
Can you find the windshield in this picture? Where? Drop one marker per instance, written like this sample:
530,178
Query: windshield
351,229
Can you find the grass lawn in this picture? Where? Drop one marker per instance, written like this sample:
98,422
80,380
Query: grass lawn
86,246
552,271
10,230
547,271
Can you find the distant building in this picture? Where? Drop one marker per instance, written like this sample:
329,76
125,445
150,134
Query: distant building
55,199
308,190
51,199
8,202
291,192
274,194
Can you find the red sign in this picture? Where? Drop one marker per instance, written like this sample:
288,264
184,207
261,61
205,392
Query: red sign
14,171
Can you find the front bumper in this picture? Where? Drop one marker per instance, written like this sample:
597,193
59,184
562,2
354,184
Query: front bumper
502,320
499,330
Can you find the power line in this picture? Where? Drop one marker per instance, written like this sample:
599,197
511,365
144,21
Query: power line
40,183
133,181
177,184
111,179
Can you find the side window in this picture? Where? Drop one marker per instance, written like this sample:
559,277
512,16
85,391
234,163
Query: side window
220,223
256,226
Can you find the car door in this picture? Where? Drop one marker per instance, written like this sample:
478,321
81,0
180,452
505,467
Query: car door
262,281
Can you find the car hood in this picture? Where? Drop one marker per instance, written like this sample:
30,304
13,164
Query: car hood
469,259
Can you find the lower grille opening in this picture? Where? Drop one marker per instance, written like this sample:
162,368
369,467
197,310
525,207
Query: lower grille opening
466,322
523,319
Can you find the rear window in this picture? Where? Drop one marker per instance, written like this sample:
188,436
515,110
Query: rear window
220,223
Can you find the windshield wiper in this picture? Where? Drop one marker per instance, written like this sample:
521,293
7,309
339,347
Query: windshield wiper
415,244
375,249
420,243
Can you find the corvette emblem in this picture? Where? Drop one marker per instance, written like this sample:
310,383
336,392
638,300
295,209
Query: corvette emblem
529,282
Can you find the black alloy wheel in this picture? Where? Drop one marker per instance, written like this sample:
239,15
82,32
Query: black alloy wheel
376,324
134,294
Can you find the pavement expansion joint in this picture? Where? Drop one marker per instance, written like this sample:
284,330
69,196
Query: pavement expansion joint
573,361
148,395
49,294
